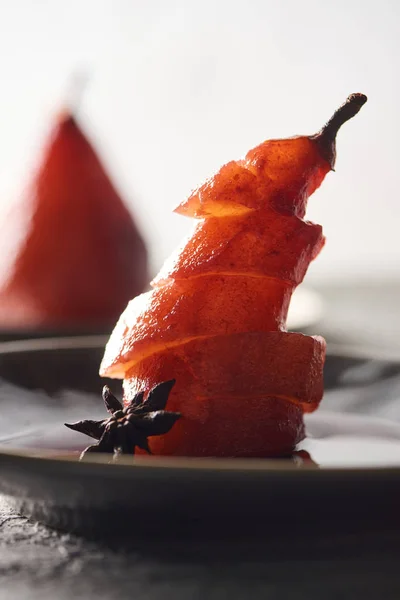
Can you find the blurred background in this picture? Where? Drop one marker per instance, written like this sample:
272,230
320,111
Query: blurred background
177,88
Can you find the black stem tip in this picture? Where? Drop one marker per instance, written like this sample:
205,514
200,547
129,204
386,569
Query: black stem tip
326,138
345,112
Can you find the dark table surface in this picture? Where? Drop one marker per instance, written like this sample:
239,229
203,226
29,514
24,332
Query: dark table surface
36,562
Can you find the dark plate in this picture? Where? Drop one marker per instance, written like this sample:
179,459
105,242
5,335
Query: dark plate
355,488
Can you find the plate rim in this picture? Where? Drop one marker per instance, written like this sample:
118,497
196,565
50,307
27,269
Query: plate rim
196,464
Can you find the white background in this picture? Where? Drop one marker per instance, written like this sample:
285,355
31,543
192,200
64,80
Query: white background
179,87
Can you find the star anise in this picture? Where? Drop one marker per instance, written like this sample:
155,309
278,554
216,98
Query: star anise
129,426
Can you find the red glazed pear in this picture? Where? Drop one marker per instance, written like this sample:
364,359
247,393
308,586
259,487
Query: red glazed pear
215,322
80,256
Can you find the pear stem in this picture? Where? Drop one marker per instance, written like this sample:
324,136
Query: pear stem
326,138
345,112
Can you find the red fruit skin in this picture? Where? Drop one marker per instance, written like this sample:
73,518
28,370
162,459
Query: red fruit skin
276,430
80,256
250,364
261,243
277,174
198,307
239,395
